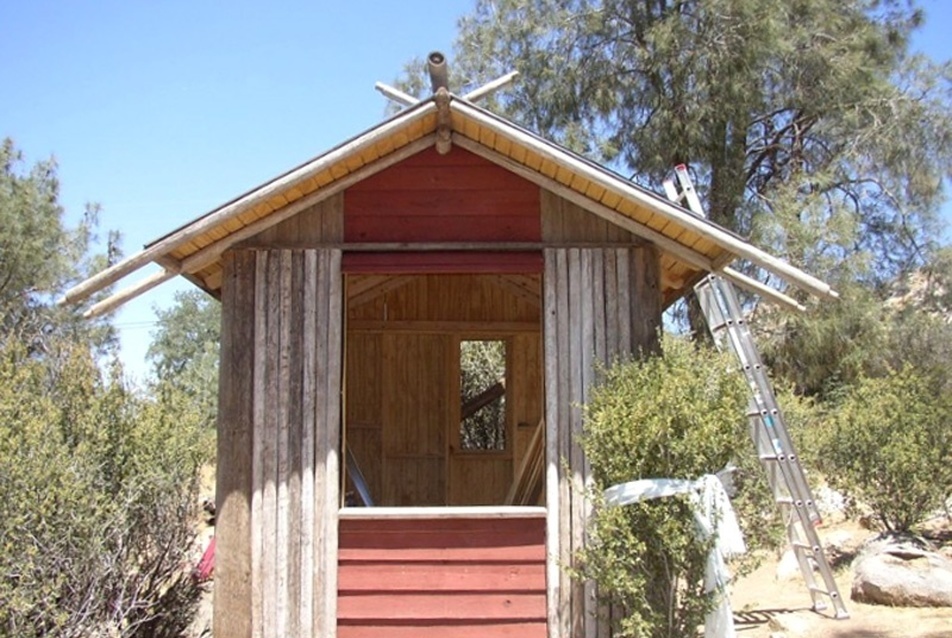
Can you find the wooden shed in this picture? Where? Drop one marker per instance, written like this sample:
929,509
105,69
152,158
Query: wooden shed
357,494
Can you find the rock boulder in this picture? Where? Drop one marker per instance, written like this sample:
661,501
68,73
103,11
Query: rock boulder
903,572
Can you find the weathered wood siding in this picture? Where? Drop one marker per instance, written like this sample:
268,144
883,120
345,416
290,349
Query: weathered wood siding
322,223
279,438
432,578
599,304
564,222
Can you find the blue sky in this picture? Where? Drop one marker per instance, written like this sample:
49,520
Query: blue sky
161,111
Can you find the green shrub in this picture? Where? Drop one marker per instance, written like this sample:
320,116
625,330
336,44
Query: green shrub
888,444
680,415
97,519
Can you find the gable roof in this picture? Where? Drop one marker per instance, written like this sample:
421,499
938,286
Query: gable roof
690,245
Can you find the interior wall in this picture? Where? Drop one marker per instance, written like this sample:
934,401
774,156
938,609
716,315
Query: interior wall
402,396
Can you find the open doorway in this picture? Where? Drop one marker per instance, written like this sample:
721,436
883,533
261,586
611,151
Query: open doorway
444,396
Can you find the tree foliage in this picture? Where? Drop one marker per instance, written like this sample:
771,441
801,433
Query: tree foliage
888,445
879,378
808,124
866,333
40,257
680,415
185,351
97,519
100,498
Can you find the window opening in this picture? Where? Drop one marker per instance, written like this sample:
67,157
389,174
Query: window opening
482,365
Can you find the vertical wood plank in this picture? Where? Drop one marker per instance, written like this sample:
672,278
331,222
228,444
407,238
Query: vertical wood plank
590,303
322,476
552,461
599,303
575,478
334,361
604,354
234,488
282,444
308,467
295,441
333,218
564,428
611,305
647,314
258,521
269,445
624,301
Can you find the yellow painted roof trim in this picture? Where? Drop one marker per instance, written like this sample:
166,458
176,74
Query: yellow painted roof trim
197,246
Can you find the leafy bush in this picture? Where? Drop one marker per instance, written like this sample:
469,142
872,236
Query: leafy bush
888,444
680,415
97,519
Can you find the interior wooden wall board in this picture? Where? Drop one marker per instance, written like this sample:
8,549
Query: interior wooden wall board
476,297
445,297
453,447
369,287
415,413
415,397
364,417
479,479
526,382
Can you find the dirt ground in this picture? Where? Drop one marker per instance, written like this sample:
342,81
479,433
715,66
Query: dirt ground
765,606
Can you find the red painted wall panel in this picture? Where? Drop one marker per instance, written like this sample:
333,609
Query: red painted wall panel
428,197
418,263
460,577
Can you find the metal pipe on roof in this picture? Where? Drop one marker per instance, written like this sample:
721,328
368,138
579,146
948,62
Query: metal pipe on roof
439,75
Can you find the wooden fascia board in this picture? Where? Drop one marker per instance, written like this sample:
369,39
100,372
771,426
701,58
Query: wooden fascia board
212,252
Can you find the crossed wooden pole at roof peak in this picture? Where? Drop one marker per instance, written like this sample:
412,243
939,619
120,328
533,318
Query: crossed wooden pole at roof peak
439,80
440,105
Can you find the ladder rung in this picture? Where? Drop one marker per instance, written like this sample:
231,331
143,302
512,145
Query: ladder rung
728,325
806,546
825,592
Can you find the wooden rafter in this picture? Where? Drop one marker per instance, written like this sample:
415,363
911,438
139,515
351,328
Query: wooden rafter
361,289
525,287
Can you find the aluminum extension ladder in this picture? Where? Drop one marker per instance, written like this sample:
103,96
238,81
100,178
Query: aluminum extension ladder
725,319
